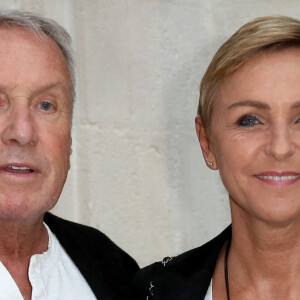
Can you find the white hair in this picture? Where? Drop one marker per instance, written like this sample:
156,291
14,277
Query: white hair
42,27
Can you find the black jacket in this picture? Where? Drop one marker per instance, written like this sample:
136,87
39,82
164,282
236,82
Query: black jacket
185,277
107,269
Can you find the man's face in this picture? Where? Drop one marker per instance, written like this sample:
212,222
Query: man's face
35,118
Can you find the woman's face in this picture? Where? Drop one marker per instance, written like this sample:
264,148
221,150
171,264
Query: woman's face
255,137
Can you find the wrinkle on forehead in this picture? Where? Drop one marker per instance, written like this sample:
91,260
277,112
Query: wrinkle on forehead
30,60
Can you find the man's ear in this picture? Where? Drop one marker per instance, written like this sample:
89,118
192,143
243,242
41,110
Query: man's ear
205,144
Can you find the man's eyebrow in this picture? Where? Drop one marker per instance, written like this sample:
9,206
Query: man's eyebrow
252,103
49,87
41,89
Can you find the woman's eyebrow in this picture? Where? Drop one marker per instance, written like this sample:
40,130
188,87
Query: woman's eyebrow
253,103
296,104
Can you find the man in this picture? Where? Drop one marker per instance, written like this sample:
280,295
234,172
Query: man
56,259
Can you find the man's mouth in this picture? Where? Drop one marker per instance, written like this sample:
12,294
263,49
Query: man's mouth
18,169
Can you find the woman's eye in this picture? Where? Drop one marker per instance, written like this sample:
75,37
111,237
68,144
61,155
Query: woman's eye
47,106
248,121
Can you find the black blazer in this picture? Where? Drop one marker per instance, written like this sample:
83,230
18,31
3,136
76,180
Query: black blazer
185,277
107,269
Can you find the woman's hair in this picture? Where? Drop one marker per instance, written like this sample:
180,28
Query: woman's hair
42,27
265,34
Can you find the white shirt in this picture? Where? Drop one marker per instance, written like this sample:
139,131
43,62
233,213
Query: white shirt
209,292
52,274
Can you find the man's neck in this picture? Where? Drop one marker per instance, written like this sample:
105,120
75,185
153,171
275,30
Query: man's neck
19,241
22,238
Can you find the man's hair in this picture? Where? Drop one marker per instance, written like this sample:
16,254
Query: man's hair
43,27
265,34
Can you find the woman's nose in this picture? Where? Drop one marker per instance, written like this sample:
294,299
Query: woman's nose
281,143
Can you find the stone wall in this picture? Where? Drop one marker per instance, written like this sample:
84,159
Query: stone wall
137,171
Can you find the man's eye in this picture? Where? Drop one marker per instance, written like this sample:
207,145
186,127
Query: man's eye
47,106
248,121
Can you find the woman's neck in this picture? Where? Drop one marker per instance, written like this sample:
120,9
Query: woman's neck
263,261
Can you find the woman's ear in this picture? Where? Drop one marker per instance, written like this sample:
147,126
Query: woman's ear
205,144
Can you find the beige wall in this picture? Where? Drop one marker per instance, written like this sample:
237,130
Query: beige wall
137,172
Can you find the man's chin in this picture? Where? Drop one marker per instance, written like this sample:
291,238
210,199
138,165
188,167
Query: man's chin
23,210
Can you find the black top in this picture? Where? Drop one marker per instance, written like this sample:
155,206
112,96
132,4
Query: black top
107,269
184,277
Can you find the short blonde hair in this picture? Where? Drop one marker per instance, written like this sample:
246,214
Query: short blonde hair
265,34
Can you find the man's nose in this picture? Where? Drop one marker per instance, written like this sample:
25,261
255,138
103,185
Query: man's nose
281,144
19,126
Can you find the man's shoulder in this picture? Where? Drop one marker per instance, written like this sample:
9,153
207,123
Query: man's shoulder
75,236
182,277
68,229
106,267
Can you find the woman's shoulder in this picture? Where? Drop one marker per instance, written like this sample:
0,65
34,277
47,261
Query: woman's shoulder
186,276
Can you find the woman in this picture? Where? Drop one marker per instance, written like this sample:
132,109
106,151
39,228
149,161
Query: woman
249,129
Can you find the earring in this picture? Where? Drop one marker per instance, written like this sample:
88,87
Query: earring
209,162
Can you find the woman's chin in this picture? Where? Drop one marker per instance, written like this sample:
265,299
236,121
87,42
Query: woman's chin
277,213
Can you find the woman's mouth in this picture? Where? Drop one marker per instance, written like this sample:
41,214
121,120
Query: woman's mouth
278,178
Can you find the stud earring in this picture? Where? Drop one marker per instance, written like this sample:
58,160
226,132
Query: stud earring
208,162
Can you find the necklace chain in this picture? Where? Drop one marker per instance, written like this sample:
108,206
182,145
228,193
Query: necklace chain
226,268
